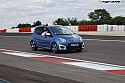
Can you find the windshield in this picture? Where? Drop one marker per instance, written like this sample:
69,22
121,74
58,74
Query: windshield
61,30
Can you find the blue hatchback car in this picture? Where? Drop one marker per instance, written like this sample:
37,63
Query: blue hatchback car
55,38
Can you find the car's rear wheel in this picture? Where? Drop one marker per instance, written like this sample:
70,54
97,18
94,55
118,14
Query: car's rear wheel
54,48
33,46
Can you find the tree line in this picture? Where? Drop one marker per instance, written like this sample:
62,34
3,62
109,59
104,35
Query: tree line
98,16
27,25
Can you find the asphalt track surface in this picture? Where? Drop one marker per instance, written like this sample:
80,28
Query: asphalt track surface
17,75
106,49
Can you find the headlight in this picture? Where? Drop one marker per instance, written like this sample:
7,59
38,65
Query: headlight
62,40
81,39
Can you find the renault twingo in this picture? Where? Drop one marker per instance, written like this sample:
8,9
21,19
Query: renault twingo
55,38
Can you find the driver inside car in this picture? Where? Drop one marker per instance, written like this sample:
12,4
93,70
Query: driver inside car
45,32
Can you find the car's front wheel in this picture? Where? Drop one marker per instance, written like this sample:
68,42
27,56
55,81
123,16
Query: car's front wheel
54,48
33,46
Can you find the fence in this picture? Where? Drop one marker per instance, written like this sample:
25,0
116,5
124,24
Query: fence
24,29
111,28
87,28
98,28
3,31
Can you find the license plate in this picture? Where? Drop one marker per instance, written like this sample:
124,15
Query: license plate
74,44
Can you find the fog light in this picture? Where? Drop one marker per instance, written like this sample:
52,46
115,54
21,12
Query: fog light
62,47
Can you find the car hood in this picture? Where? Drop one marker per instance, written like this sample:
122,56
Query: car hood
70,38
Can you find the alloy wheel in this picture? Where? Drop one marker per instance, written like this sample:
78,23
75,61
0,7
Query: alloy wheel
54,48
33,46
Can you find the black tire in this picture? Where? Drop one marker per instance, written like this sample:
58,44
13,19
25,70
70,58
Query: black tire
33,46
54,48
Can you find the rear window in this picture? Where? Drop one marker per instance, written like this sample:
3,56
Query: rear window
38,31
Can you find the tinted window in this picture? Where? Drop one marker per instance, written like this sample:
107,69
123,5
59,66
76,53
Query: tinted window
61,30
38,31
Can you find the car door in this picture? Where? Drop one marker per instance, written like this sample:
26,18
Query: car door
37,36
46,41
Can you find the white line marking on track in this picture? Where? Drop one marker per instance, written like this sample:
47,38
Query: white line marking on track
83,39
15,36
95,66
75,62
105,40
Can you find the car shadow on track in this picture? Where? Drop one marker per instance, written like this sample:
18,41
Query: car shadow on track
61,52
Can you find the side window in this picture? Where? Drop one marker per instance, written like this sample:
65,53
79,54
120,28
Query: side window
38,31
45,30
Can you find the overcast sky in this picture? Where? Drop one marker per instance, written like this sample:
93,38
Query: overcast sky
13,12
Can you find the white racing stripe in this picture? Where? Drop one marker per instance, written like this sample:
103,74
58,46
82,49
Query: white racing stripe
96,66
75,62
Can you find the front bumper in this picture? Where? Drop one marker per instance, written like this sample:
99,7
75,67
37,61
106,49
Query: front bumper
69,47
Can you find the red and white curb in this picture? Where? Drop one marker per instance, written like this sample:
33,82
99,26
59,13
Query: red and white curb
76,62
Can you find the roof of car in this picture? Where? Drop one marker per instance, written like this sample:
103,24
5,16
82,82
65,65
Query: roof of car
48,26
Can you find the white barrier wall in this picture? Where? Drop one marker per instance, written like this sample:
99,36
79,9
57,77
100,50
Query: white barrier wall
100,28
16,30
73,28
111,28
32,29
